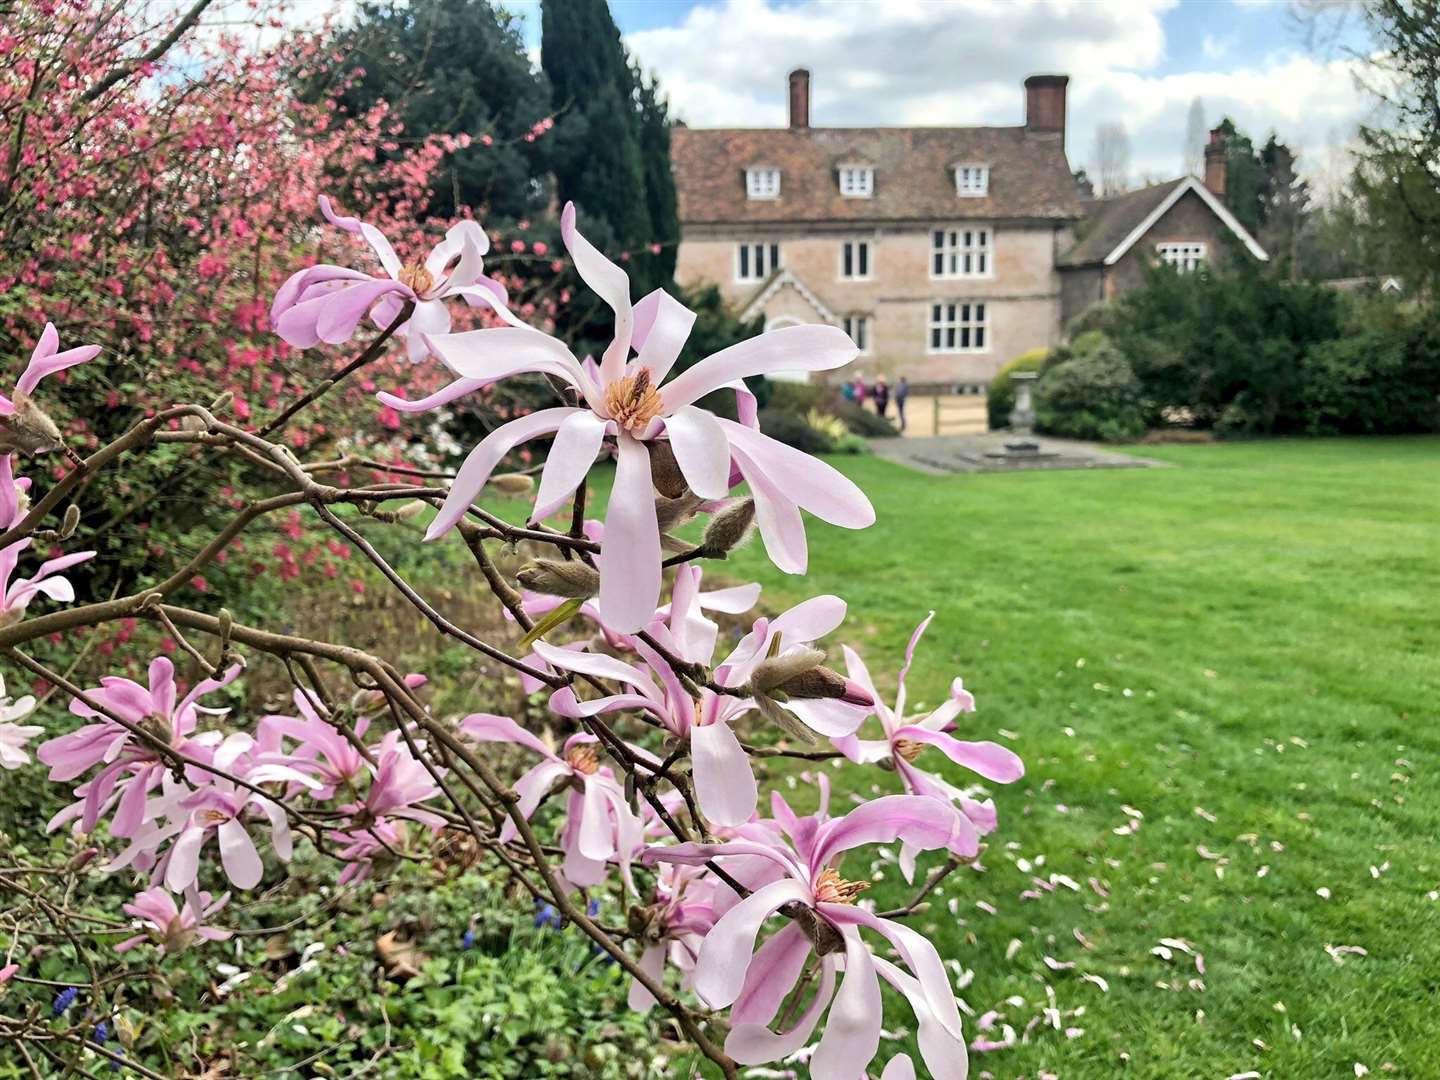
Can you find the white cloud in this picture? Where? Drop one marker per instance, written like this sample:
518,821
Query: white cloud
963,61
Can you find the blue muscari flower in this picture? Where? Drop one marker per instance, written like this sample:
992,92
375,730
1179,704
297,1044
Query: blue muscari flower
115,1065
65,999
102,1033
468,940
593,908
546,915
605,957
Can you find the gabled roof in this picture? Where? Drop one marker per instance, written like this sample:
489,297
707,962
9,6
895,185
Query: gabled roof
914,176
778,281
1114,225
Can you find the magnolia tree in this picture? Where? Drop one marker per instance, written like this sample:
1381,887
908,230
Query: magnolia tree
743,925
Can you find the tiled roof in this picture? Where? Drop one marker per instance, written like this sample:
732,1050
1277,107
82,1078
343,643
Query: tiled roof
914,177
1110,221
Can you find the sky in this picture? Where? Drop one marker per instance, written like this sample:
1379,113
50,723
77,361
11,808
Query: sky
939,62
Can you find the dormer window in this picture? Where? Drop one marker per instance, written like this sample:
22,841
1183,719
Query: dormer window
762,182
857,181
972,180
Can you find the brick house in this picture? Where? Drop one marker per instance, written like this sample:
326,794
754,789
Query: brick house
943,251
1183,222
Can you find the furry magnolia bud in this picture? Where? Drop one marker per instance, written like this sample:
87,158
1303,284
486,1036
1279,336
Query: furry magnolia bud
775,671
665,470
729,527
27,429
558,577
512,483
802,674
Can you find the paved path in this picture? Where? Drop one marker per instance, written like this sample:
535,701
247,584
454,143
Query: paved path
942,455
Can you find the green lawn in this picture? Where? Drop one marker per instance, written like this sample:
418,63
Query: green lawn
1245,649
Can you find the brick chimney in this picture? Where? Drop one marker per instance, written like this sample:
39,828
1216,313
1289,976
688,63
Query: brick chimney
1215,164
799,99
1045,105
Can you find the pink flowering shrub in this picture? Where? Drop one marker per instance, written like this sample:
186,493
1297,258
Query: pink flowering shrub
745,922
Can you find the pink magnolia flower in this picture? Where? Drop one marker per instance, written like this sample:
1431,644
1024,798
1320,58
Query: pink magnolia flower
724,781
23,425
326,303
323,751
16,594
132,768
13,736
362,848
905,739
629,400
599,824
14,493
400,783
731,972
173,929
187,819
673,925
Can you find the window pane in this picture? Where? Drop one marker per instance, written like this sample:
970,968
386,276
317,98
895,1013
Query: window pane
980,337
847,254
864,259
937,240
774,257
982,263
935,339
950,337
935,313
979,312
744,260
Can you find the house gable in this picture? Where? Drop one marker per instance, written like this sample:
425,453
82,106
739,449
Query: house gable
1190,185
786,296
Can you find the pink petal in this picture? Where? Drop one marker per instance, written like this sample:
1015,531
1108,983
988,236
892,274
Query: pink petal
776,516
725,955
724,782
652,962
756,1044
481,462
503,351
533,786
776,966
487,727
909,659
629,561
451,392
238,855
900,1067
662,324
989,759
577,442
795,348
341,313
852,1030
913,818
701,450
812,484
184,861
610,283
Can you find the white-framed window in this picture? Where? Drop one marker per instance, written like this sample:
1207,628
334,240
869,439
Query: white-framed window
958,326
857,329
855,260
1184,257
756,261
762,183
961,252
857,181
972,180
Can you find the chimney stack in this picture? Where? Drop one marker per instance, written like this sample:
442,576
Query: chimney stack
1215,164
1045,105
799,99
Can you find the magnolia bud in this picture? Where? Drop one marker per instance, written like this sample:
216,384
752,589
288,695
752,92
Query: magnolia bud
665,470
559,577
192,423
672,513
729,527
776,670
27,428
512,483
221,403
71,522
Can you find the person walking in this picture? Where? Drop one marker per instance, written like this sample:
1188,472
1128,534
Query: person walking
859,390
902,391
882,395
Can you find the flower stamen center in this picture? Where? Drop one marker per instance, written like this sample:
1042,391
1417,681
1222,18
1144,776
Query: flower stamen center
418,278
583,759
633,402
831,888
909,749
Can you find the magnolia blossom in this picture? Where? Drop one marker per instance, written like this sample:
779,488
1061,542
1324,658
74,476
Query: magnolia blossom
905,739
131,767
14,492
23,425
629,400
724,781
673,925
323,751
173,929
13,736
806,883
188,819
16,593
399,784
363,848
326,303
599,824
